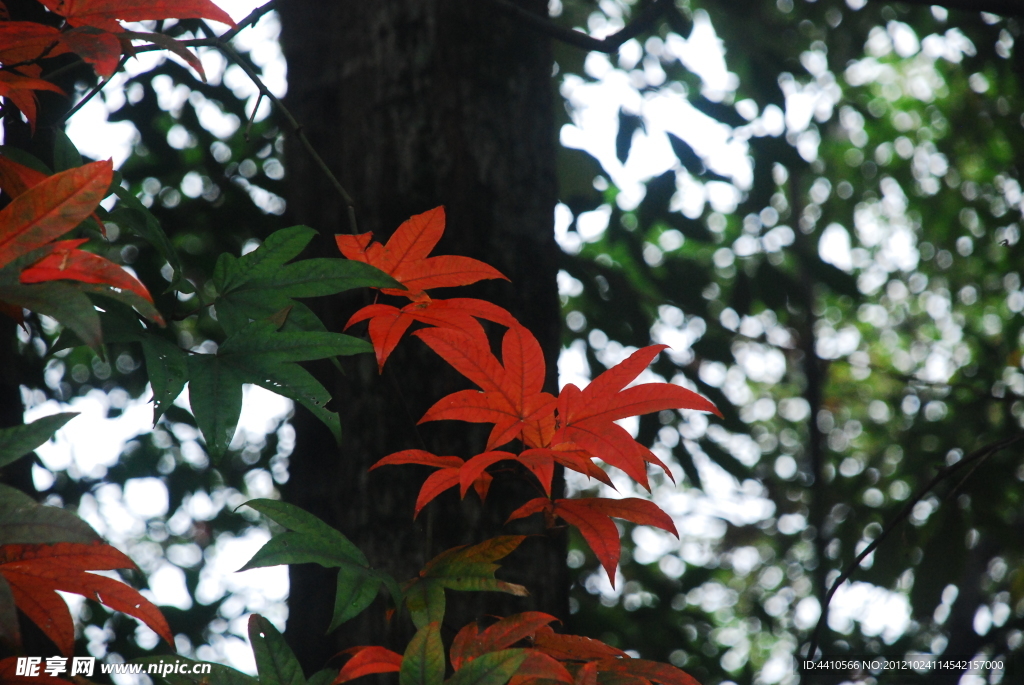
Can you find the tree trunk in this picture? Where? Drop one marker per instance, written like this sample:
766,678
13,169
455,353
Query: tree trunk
414,104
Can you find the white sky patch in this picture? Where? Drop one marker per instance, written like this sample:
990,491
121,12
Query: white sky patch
90,443
703,54
879,611
834,247
595,107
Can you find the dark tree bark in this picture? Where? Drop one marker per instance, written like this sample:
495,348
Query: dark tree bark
414,104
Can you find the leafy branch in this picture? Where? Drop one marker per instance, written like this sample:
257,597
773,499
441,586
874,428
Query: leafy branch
974,459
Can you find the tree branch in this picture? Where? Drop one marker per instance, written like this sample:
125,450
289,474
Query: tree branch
643,21
290,118
975,457
92,93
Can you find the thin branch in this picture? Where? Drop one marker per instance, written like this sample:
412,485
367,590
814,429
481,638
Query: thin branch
92,93
295,125
250,20
643,21
978,456
252,117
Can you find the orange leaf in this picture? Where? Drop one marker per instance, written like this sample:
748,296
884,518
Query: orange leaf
23,41
539,666
470,643
511,396
588,674
20,91
51,208
388,324
475,467
405,259
592,517
418,457
99,48
68,263
434,485
367,660
16,178
104,14
36,572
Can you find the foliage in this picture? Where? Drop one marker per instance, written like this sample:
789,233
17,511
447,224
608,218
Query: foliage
843,386
263,333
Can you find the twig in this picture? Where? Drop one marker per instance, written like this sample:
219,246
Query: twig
978,455
92,93
252,117
609,44
250,20
295,125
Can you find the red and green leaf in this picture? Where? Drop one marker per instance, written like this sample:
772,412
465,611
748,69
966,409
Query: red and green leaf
36,572
467,569
471,642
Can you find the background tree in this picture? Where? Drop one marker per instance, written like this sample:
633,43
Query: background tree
439,121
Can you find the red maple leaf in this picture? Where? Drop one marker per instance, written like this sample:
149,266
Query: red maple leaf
573,647
104,14
593,517
511,396
36,572
388,324
588,416
447,475
405,259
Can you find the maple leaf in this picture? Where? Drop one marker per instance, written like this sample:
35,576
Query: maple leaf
593,517
388,323
405,259
511,394
587,416
448,475
104,14
468,569
35,572
367,660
